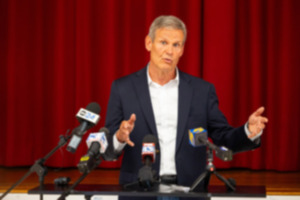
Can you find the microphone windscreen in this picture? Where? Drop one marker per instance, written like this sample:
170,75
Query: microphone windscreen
89,115
94,107
105,130
150,139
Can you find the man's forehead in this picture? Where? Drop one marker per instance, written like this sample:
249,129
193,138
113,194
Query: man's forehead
169,33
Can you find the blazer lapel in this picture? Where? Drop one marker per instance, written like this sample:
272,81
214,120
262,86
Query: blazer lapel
143,95
184,103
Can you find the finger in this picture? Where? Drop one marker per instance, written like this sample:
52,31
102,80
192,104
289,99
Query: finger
262,126
258,130
259,111
127,127
264,120
132,119
129,142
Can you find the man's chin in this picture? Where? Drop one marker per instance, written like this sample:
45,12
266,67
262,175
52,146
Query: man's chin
167,66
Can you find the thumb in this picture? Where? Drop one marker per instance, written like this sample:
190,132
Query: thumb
259,111
132,119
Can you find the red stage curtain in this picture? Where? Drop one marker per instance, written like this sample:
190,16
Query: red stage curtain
58,56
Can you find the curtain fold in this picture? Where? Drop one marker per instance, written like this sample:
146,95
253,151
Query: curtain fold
58,56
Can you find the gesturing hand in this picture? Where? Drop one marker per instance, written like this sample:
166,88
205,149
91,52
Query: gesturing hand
256,122
125,129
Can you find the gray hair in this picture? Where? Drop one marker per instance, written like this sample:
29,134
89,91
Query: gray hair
167,22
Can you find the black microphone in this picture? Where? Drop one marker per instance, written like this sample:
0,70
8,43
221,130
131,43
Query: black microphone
87,118
147,176
97,144
198,137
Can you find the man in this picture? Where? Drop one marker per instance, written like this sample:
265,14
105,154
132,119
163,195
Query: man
163,101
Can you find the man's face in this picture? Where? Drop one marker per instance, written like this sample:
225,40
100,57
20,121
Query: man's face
166,49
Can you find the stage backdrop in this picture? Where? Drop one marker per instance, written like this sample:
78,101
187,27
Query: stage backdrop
57,56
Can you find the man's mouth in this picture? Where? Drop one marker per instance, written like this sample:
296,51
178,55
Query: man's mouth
167,60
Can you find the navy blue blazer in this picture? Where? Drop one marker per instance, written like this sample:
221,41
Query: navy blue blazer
197,107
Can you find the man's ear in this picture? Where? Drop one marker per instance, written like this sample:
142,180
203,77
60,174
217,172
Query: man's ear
148,43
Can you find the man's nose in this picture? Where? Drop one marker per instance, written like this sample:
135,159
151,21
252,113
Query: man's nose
170,49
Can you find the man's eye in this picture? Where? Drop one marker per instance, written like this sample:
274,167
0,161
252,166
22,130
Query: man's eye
176,45
163,42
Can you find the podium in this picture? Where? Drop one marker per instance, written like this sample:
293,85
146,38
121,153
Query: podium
160,190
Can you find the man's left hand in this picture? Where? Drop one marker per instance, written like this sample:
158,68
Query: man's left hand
256,122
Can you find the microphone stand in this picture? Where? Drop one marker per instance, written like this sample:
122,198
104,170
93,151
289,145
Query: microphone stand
39,168
211,169
66,193
97,162
146,181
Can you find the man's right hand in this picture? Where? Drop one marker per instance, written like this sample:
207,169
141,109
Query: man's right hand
125,129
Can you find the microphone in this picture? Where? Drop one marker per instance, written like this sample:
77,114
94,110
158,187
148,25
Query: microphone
100,137
149,150
147,176
87,118
97,144
198,137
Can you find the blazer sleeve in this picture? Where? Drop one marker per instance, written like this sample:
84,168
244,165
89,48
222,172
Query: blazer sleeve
221,132
114,117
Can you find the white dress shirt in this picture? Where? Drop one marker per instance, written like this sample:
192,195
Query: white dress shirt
164,99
